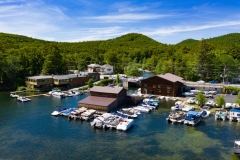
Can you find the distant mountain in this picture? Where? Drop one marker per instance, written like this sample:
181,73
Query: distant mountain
188,42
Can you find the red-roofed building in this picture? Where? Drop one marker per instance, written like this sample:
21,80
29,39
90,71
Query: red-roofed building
164,84
104,98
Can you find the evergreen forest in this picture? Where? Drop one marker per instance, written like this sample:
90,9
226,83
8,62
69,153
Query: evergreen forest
207,59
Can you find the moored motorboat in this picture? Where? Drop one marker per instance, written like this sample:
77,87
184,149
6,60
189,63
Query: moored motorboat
128,114
188,108
124,124
221,115
236,147
132,110
142,109
176,117
23,99
205,113
192,118
59,94
14,95
234,115
87,115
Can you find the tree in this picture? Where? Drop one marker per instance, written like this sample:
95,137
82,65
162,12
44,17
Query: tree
117,80
90,83
203,58
201,98
132,70
54,63
220,101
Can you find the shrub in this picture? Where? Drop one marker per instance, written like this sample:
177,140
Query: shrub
21,88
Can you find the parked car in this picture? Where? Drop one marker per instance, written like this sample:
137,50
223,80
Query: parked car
208,95
234,93
201,81
213,82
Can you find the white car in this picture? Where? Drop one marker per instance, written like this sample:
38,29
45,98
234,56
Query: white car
208,95
201,81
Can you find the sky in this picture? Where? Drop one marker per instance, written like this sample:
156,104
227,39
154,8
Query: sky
166,21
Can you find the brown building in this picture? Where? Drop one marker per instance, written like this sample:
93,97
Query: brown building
104,98
164,84
62,81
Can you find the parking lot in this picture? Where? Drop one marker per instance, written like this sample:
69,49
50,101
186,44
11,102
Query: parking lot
228,97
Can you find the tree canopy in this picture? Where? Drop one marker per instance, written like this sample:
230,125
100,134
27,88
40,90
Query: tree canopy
206,59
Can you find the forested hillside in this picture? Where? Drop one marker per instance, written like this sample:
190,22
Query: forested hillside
22,56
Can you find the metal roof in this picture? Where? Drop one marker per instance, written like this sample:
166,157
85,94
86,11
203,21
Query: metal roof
98,101
40,77
171,77
106,89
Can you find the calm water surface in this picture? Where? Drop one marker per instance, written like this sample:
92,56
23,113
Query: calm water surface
28,131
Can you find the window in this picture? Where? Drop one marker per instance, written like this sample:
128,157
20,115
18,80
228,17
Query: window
154,86
159,90
168,91
145,85
159,86
168,87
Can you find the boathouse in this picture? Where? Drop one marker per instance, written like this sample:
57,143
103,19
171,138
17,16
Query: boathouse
104,98
164,84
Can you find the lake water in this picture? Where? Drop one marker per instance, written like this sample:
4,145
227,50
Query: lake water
28,131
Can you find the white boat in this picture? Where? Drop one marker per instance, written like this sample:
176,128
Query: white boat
191,100
234,115
124,124
23,99
179,103
161,97
127,113
205,113
188,108
177,108
221,114
142,109
176,117
58,94
14,95
132,110
74,93
55,113
87,115
53,91
236,147
210,103
192,118
98,122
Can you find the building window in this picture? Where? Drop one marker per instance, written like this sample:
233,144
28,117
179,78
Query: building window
168,91
168,87
159,86
154,86
159,90
145,85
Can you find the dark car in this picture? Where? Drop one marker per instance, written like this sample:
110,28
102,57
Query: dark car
213,82
234,93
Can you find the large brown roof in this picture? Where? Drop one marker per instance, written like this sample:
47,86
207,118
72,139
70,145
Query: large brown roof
98,101
171,77
101,89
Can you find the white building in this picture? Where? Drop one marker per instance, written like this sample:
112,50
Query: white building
104,69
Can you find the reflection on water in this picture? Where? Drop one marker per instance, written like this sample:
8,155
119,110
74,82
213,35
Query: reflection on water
28,131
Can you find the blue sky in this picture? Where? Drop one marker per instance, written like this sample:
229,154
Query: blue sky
166,21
